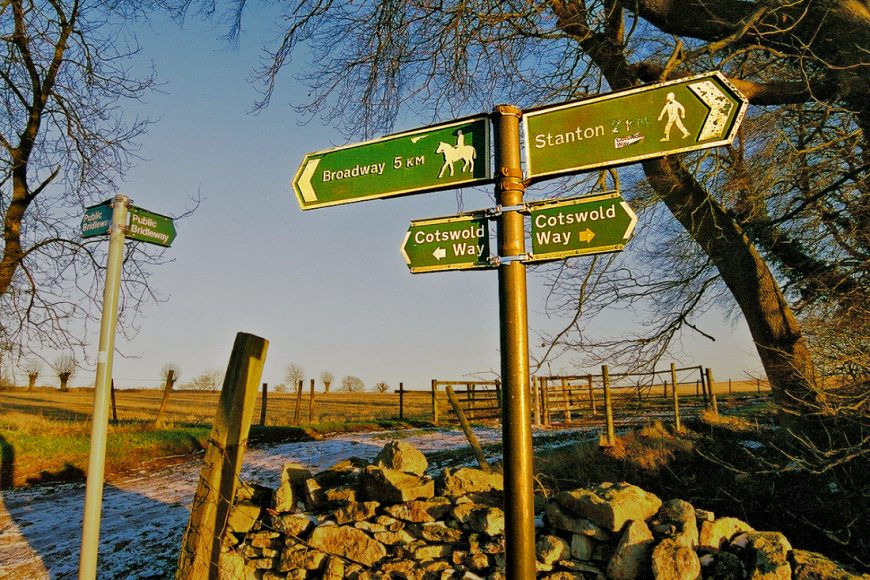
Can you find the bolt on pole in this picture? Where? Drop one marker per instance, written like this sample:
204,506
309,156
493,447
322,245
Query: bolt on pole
102,386
513,315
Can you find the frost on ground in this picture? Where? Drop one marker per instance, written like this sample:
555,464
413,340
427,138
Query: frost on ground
144,514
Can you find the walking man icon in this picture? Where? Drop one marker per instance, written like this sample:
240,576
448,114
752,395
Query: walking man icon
675,112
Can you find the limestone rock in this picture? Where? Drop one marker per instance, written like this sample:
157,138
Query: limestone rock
436,532
727,566
334,569
298,557
394,538
389,485
673,560
420,511
582,547
465,481
432,552
343,473
356,511
478,518
294,525
632,554
243,516
550,549
715,534
347,542
403,457
812,566
557,518
676,519
292,476
611,505
768,553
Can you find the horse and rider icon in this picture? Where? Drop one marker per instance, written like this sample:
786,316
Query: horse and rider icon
454,153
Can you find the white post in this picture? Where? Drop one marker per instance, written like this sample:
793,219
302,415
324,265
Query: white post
100,420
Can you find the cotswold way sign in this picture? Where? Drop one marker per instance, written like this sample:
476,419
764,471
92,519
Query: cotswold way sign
576,227
429,159
629,126
458,242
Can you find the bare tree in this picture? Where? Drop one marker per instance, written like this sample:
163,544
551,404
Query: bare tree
352,384
64,142
32,368
382,387
808,62
210,380
65,367
326,378
294,375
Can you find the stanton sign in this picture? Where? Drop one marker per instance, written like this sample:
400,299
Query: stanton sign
629,126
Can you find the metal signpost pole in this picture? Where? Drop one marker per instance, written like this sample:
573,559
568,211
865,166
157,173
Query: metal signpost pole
100,420
517,429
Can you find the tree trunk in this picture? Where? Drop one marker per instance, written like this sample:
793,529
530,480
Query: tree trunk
775,330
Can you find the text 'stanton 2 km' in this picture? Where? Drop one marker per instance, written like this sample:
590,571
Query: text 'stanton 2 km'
689,114
433,158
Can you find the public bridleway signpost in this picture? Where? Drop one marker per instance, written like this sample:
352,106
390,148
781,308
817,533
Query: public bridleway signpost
119,220
614,129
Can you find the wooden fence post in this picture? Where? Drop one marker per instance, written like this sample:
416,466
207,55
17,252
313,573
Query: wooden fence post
591,395
298,401
434,402
401,401
704,385
201,546
677,424
729,386
713,404
536,404
164,402
608,406
567,399
469,393
466,428
311,402
545,401
263,403
498,393
114,406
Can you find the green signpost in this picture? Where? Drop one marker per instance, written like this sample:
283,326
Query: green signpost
580,226
458,242
97,220
629,126
150,227
429,159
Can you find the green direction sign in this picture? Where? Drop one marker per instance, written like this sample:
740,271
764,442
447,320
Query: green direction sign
97,220
429,159
576,227
458,242
628,126
150,227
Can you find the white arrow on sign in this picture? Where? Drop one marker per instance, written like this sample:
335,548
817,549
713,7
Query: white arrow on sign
304,184
439,254
720,107
633,221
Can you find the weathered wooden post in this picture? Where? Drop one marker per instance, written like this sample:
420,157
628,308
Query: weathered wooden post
114,406
536,406
729,386
545,401
298,401
498,393
401,401
469,393
591,395
713,404
608,406
201,546
466,428
263,403
677,425
311,402
434,402
704,387
567,400
167,388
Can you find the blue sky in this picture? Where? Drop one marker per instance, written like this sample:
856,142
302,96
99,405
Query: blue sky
328,288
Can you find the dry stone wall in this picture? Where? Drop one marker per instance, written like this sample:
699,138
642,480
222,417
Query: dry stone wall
389,519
